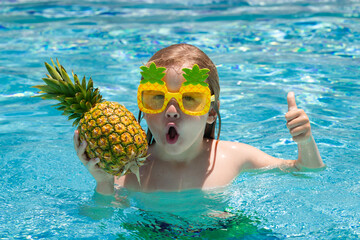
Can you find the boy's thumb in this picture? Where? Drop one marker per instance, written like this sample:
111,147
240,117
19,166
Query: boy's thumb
291,101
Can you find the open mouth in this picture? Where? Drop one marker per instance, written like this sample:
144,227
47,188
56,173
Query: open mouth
172,135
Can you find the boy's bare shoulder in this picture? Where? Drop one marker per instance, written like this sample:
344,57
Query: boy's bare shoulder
238,148
245,156
236,154
249,157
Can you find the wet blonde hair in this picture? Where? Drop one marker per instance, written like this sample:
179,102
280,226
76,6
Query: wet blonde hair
178,55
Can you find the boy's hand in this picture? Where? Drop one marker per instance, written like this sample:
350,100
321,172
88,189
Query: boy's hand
100,175
297,121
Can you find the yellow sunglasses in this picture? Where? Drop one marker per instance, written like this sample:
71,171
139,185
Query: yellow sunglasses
194,96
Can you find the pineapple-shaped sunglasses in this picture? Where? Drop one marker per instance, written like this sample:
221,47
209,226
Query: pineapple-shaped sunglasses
194,96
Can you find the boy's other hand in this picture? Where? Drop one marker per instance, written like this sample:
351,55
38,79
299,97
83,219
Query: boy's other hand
298,122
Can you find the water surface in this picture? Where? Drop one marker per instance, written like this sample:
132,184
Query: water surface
262,49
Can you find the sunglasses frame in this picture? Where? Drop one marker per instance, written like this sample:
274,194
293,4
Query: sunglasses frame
176,95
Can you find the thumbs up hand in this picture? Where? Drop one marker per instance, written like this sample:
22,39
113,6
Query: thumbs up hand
298,122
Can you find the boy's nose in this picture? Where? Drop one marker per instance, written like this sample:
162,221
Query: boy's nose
172,109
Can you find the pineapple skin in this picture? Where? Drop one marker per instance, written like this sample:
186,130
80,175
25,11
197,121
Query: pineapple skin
114,136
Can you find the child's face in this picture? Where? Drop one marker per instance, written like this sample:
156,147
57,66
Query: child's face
172,129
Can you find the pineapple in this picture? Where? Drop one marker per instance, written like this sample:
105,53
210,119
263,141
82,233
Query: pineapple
111,131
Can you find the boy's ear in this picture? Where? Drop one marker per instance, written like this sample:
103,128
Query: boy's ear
212,115
211,119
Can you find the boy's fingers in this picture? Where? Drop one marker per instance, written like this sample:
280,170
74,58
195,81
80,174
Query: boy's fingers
76,139
82,147
92,163
297,115
296,122
80,151
292,115
296,131
291,101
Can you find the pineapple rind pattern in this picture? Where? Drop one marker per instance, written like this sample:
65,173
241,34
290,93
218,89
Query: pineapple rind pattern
112,136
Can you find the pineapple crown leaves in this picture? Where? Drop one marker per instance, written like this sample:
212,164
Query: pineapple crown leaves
195,76
152,74
75,98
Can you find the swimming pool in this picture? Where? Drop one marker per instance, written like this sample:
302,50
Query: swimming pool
262,49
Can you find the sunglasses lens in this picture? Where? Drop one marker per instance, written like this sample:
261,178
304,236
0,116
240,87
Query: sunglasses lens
153,100
194,101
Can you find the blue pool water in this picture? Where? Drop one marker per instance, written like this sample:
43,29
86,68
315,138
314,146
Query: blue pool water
262,49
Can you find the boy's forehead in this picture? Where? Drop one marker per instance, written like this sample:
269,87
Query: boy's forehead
174,78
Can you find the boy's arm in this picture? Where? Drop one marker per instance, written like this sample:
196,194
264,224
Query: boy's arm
299,126
104,181
105,188
308,155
